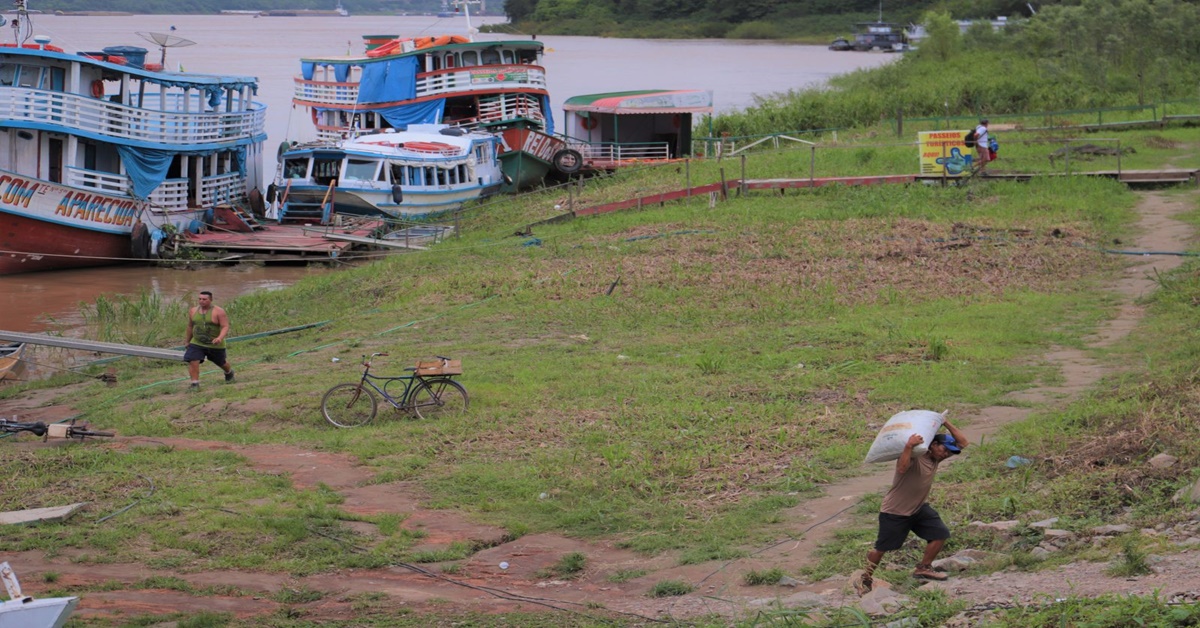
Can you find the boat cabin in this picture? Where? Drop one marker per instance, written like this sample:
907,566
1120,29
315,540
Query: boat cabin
621,127
879,36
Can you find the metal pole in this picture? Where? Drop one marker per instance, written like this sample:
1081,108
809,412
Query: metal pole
742,188
687,169
812,166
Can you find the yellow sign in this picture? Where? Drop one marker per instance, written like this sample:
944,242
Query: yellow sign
943,153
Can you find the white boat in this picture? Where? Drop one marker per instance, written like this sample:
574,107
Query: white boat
103,154
21,611
423,171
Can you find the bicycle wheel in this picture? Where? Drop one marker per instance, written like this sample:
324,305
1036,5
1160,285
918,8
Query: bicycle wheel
439,397
349,405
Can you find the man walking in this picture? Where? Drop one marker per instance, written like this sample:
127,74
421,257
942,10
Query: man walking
207,327
905,510
983,145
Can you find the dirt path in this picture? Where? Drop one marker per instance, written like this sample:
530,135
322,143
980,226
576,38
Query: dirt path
482,585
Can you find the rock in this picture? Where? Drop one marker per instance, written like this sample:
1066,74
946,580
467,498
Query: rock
1039,553
954,563
1048,546
1163,461
973,554
997,526
881,602
1059,534
1112,529
788,581
1189,542
1045,523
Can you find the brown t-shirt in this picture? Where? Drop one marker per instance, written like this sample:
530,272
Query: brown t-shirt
910,489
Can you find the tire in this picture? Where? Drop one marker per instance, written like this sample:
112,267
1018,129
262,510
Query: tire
439,397
568,161
349,405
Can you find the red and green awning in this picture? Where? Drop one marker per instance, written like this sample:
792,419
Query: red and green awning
644,101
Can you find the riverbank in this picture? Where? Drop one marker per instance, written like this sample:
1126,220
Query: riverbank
658,391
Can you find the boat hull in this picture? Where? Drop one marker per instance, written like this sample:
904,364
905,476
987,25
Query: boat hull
11,364
49,226
51,612
417,204
527,156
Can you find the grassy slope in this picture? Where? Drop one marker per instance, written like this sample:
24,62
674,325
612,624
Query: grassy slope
747,354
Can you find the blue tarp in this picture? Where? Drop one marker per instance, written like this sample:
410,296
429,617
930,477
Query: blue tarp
549,115
341,72
428,112
306,69
146,167
388,81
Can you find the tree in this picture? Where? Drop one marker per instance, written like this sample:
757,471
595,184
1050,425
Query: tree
942,40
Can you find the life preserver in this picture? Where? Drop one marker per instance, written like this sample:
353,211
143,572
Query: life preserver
139,241
589,123
34,47
97,89
383,50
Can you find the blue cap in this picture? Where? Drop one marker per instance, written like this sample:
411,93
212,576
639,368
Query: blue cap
948,442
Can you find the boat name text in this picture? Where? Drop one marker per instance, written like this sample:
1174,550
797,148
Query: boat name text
96,208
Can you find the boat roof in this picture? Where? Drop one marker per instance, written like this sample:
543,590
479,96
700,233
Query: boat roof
419,140
478,45
644,101
170,79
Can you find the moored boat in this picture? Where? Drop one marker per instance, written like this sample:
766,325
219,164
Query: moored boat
498,86
21,611
103,155
421,172
11,362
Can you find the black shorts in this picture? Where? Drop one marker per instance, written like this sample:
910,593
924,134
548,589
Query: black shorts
925,523
196,353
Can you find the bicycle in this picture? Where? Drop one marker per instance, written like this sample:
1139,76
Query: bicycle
353,404
54,430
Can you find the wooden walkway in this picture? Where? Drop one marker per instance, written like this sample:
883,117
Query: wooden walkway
1129,177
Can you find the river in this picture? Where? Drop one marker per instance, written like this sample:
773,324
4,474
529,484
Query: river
270,48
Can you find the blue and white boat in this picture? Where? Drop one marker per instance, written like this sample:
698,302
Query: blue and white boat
102,154
420,172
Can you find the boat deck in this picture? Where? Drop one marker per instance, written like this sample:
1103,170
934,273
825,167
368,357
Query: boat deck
288,243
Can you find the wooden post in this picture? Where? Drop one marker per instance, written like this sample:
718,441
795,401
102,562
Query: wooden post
899,122
724,186
571,198
812,167
687,170
457,224
742,188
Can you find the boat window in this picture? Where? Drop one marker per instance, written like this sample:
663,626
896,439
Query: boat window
429,177
462,174
361,169
527,56
469,58
507,56
398,175
450,60
29,76
58,79
325,171
7,73
491,56
295,168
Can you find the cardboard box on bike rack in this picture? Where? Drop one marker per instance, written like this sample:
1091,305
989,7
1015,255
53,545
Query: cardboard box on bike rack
440,367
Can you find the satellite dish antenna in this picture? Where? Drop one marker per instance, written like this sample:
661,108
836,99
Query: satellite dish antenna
164,41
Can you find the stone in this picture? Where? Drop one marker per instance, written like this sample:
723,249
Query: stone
53,514
1112,529
882,602
788,581
954,563
997,526
1059,534
1039,553
1045,523
1163,461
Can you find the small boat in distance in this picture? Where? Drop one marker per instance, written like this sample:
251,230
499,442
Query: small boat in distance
11,362
426,170
338,11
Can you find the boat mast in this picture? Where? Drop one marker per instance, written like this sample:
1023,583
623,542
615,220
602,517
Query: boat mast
466,4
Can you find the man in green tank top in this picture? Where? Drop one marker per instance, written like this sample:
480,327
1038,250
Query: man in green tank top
207,327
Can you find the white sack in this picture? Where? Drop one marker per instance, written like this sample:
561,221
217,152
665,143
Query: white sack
894,434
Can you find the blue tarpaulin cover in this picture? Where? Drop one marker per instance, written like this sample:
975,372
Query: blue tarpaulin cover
146,167
428,112
388,81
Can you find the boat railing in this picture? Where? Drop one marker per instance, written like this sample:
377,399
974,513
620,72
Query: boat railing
101,181
464,79
170,195
613,152
94,115
221,189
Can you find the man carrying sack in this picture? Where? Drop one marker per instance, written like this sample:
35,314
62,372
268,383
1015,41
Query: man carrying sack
905,510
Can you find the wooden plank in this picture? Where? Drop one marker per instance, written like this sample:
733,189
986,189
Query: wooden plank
92,345
53,514
388,243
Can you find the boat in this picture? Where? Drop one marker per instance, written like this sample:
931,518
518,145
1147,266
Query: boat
102,155
338,11
878,35
841,44
21,611
421,172
497,86
11,363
